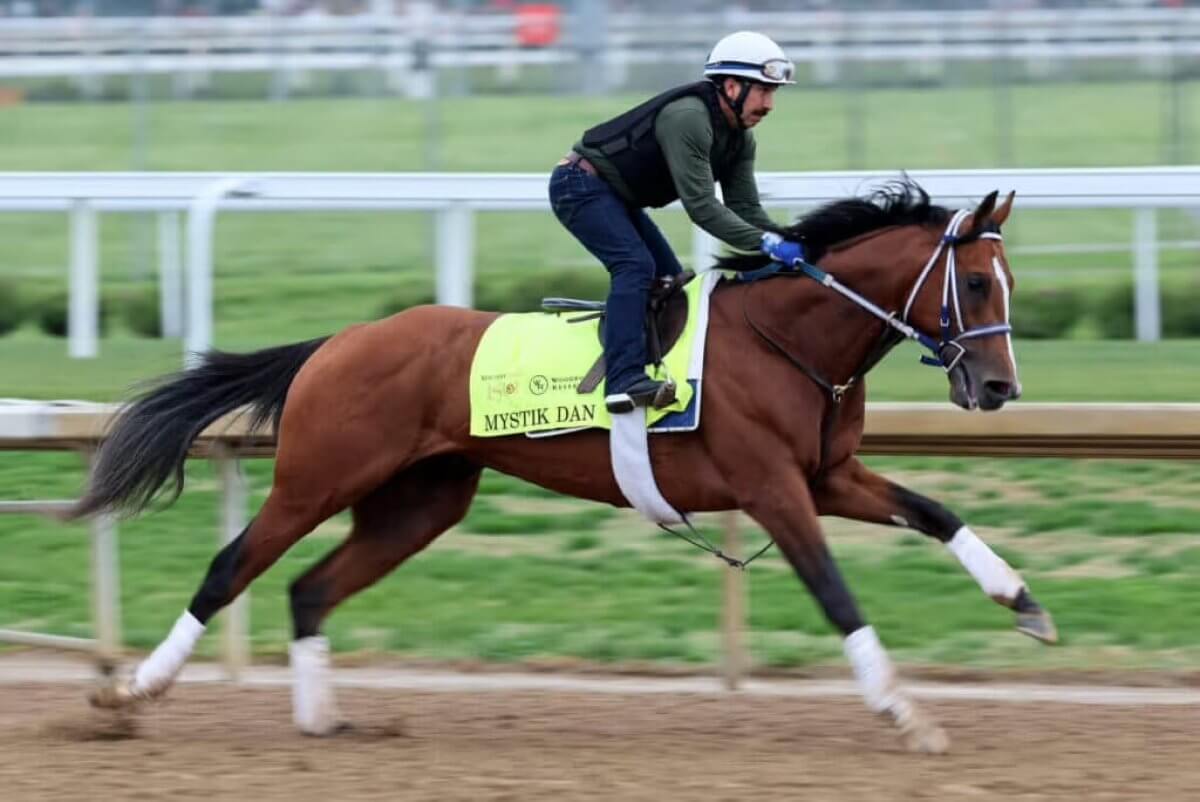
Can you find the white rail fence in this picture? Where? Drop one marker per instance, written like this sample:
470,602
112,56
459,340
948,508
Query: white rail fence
1030,430
457,197
422,41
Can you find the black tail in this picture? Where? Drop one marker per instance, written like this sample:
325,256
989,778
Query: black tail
150,438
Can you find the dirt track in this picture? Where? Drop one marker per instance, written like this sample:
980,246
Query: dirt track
217,742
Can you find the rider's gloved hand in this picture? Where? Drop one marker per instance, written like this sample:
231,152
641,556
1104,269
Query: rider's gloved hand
782,250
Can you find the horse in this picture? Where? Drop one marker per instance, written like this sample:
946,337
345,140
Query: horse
374,419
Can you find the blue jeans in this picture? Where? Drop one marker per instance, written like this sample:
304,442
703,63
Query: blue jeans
631,248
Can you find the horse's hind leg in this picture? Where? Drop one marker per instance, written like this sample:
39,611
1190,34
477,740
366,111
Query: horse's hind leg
851,490
284,519
391,524
301,498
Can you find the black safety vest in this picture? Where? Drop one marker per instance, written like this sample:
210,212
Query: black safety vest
628,142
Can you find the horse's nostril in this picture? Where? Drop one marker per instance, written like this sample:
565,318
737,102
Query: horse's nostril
1000,389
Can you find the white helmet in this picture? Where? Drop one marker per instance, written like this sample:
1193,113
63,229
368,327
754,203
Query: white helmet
747,54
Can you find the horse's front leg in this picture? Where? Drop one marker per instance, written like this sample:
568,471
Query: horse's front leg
851,490
785,509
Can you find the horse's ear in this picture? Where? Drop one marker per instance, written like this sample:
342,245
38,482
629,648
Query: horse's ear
984,210
1002,211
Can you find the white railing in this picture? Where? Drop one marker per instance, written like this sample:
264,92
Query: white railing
423,40
1019,430
456,197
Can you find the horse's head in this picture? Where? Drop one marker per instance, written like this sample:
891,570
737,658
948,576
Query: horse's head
963,292
939,272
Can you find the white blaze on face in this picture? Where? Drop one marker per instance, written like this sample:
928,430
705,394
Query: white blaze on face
1002,278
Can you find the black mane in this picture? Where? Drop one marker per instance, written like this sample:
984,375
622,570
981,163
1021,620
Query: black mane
897,203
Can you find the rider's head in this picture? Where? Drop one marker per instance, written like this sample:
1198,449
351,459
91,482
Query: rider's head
747,68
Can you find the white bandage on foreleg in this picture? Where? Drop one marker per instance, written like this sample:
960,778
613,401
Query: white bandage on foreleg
872,668
314,709
993,574
158,671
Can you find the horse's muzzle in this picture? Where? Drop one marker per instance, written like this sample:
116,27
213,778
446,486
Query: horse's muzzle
973,389
995,392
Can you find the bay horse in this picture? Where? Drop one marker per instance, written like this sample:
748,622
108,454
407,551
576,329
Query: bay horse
375,419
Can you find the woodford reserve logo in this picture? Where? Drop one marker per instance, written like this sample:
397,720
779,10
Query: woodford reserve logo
541,384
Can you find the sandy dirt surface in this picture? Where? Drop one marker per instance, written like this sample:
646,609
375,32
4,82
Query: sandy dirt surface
216,742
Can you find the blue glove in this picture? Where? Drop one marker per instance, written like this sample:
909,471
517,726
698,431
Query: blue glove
782,250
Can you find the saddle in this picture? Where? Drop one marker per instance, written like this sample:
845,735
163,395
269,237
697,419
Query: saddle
666,317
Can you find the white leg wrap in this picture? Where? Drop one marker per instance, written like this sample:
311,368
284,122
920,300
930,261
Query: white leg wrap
873,669
314,709
993,574
158,671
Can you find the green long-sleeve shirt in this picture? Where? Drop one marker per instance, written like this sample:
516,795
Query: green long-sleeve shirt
685,133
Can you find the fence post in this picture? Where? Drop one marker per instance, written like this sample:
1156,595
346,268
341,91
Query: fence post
733,610
106,584
455,255
106,589
704,249
202,214
236,624
83,309
170,275
1146,306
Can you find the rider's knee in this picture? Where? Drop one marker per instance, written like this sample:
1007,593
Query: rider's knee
634,273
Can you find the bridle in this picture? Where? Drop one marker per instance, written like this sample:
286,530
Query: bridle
947,351
950,299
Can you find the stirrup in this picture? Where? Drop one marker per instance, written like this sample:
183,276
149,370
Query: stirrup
659,396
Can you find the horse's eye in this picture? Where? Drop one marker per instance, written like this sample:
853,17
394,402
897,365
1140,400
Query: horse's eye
976,282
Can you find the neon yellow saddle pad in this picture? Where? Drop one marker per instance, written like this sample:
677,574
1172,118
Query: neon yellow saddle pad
527,368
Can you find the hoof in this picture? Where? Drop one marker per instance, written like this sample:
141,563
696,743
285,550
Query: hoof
113,697
1032,619
337,728
917,732
929,739
1039,626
